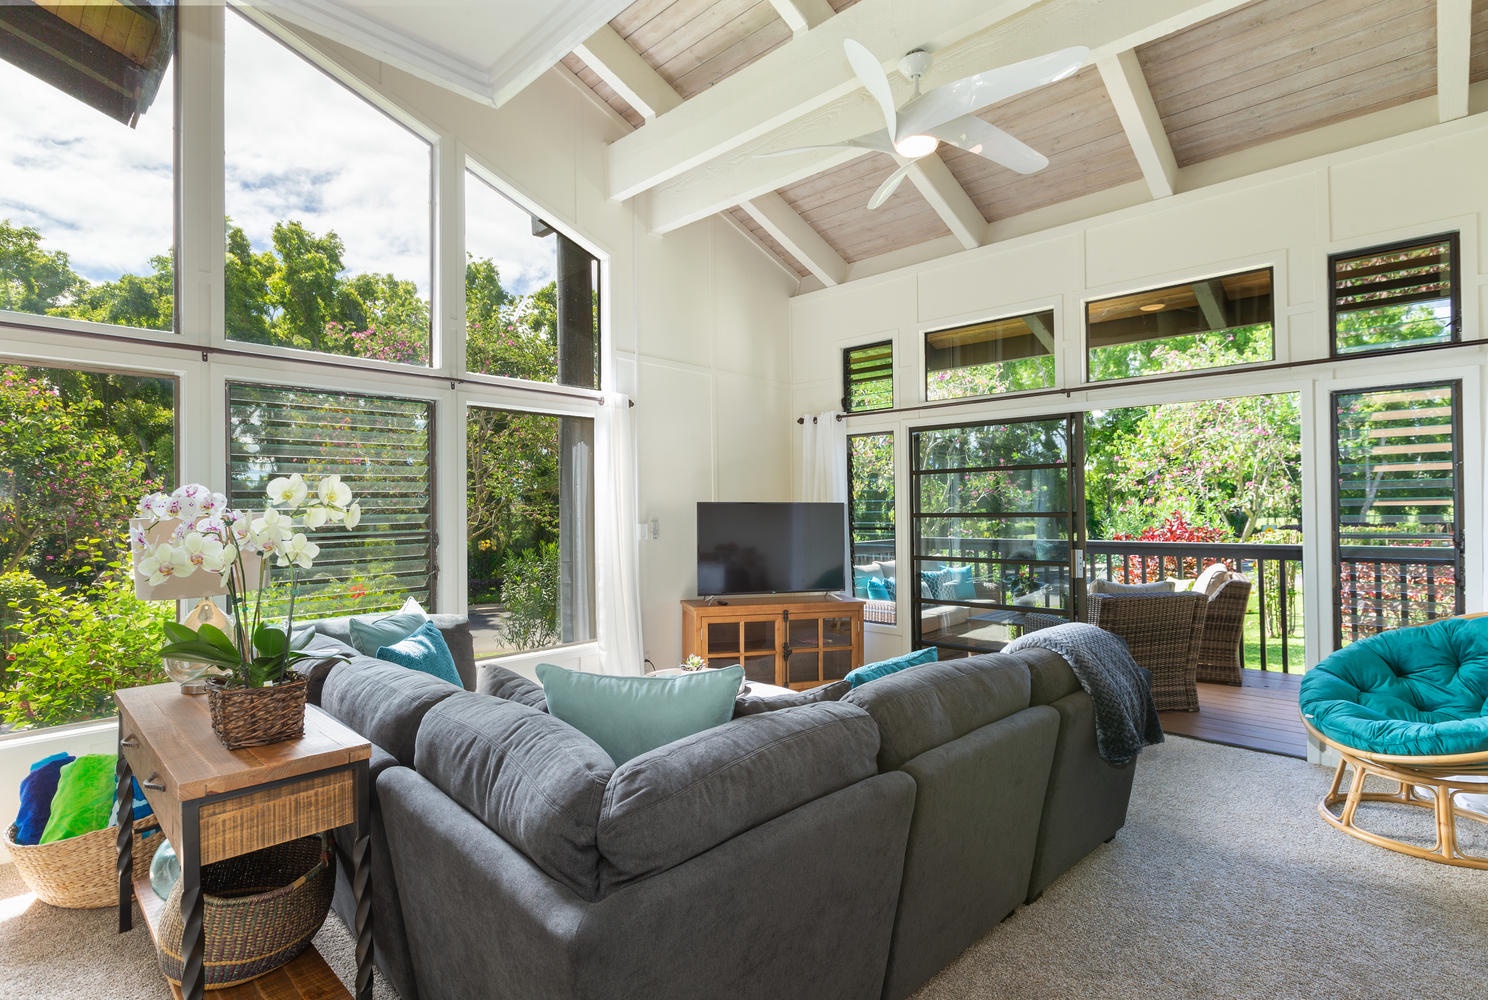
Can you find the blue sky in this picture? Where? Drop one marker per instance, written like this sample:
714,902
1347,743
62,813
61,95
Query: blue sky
299,146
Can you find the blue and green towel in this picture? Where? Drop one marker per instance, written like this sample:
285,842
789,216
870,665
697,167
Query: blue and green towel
65,796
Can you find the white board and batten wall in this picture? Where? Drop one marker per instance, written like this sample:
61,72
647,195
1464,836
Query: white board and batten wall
1290,218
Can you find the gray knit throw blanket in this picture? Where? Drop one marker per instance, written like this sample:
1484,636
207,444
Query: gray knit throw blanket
1125,714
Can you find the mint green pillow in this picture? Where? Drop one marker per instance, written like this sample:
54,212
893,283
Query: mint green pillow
369,632
628,716
873,671
424,650
85,796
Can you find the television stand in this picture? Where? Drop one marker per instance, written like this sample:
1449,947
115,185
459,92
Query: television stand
795,641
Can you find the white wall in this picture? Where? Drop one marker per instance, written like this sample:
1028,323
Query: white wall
1289,218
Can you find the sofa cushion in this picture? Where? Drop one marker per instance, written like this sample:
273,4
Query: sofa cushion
328,652
1100,586
383,701
752,702
918,710
534,779
883,668
629,715
500,682
423,650
687,797
454,628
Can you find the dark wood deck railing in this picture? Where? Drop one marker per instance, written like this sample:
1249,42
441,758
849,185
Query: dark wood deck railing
1274,571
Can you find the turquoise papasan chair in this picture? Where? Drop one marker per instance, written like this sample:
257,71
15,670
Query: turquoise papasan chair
1410,706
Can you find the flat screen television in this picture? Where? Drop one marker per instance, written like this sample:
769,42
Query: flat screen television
771,548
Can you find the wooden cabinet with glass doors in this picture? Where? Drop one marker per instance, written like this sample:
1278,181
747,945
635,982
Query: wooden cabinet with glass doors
791,643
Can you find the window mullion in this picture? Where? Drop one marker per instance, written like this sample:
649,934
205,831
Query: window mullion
448,312
200,229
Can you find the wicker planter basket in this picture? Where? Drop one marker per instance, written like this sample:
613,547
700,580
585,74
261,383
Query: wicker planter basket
259,911
81,872
253,717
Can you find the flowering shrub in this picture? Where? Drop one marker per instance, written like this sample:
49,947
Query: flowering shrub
208,537
1174,528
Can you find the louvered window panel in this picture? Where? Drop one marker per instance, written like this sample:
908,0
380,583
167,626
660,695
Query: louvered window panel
868,377
1397,296
382,447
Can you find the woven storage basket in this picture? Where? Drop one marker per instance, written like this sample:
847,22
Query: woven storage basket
253,717
81,872
259,911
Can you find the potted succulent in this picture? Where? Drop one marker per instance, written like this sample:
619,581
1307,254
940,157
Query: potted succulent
255,697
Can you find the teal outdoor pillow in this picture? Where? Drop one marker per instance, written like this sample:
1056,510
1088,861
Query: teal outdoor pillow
873,671
628,716
368,632
424,650
878,590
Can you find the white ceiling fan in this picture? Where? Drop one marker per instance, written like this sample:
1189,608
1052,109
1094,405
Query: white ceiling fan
945,113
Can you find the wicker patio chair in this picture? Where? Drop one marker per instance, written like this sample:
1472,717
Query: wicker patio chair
1164,632
1220,658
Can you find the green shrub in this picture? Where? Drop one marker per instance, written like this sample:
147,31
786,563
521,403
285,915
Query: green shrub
71,648
529,594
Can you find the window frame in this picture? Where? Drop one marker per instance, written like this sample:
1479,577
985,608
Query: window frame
1453,240
1051,310
847,379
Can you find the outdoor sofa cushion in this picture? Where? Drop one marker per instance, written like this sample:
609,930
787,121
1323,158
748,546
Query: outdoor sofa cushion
1411,691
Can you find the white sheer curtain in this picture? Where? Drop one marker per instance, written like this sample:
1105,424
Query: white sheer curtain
616,559
823,457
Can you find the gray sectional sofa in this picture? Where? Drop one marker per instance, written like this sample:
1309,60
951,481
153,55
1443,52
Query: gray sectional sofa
834,850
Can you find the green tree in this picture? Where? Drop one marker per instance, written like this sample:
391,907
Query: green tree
247,293
32,279
305,290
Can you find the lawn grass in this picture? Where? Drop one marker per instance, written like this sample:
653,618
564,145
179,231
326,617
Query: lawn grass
1251,643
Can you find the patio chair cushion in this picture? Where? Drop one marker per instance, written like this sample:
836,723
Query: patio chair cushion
1412,691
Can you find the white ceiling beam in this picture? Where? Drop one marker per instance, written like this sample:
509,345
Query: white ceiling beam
711,173
1127,86
1041,333
797,237
630,76
1453,57
1211,298
949,199
802,15
806,73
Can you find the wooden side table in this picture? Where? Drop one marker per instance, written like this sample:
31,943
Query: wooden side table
215,803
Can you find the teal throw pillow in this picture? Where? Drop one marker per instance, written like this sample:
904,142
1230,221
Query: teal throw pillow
960,585
628,716
424,650
878,590
368,632
873,671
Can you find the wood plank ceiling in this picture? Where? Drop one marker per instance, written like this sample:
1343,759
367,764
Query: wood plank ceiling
1206,90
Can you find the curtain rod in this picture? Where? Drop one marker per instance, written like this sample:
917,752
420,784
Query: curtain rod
835,416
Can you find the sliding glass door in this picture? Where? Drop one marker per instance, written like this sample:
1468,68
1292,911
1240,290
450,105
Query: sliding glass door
997,526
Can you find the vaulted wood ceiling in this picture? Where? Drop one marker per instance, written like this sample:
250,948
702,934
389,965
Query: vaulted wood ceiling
1178,95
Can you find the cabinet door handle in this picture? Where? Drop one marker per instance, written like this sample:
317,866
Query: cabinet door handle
153,783
129,742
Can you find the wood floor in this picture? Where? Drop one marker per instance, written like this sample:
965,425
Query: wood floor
1261,714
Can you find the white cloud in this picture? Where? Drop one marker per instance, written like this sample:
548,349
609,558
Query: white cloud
298,146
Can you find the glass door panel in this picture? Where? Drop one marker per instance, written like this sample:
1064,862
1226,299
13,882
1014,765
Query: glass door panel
995,528
1396,487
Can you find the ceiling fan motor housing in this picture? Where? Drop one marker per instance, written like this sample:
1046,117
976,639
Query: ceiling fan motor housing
915,64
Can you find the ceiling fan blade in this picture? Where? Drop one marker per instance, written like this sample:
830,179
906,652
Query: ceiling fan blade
890,185
976,136
966,95
876,141
871,73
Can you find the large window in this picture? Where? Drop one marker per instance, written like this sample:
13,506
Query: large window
86,168
1214,323
529,495
531,294
381,448
870,480
77,451
983,359
1402,295
328,238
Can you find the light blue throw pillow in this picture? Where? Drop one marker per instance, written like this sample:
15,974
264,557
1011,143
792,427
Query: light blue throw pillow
368,632
878,590
628,716
873,671
424,650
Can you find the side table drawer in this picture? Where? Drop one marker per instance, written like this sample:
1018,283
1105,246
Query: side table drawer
269,816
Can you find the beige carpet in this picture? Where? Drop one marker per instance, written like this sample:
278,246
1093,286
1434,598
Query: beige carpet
1223,884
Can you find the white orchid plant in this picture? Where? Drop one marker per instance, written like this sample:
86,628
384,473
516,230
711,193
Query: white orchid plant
211,538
